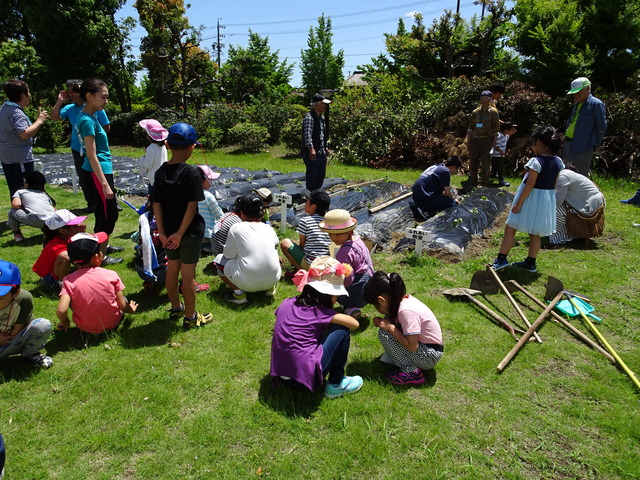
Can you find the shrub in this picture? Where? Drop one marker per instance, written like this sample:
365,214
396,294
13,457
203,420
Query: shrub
223,116
248,136
51,135
272,116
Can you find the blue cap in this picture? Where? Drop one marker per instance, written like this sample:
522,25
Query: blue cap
9,277
485,93
182,134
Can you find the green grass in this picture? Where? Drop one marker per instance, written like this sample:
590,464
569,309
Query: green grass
155,402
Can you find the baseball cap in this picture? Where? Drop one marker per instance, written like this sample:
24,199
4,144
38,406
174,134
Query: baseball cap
62,218
318,197
154,129
83,246
9,276
485,93
319,98
265,194
578,84
182,134
250,204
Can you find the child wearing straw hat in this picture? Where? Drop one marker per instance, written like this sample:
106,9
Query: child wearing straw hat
340,226
311,340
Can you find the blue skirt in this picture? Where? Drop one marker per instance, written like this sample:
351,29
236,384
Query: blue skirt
538,213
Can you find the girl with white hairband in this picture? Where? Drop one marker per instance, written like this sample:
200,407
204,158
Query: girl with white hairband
310,340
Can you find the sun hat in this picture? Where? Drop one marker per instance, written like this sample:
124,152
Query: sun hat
265,194
319,98
485,93
578,84
208,173
154,129
182,134
326,275
9,277
338,221
62,218
83,246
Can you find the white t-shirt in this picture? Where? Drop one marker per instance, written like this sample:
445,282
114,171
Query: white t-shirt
154,156
253,263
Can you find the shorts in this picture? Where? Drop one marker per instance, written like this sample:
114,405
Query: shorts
297,253
188,252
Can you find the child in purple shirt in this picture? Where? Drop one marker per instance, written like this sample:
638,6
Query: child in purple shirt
310,340
340,226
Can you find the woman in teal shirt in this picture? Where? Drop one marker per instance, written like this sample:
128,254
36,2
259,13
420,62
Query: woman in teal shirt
96,153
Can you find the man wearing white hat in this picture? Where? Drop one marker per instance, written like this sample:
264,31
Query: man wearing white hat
585,127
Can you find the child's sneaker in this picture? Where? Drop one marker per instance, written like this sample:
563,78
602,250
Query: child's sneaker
529,267
272,291
18,237
176,313
38,360
499,263
233,297
412,378
347,385
198,320
200,287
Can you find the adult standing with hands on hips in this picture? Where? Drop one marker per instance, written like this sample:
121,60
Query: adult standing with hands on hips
484,124
97,158
585,128
314,142
16,134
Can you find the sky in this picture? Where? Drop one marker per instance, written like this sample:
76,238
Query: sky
358,26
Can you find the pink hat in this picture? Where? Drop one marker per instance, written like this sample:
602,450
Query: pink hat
153,128
62,218
210,174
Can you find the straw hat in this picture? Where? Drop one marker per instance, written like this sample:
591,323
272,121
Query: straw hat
338,221
326,275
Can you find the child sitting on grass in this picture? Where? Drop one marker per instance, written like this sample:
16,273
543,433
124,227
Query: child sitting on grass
340,226
94,293
313,241
19,332
310,340
53,263
409,331
31,205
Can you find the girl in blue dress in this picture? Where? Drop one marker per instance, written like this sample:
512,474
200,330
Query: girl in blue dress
534,205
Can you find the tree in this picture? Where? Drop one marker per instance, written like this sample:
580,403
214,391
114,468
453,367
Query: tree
254,71
74,38
178,68
321,68
17,60
563,39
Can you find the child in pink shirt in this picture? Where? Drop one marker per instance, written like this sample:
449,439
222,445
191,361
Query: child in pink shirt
94,293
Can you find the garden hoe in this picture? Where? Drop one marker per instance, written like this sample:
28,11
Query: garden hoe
514,286
595,331
467,294
552,286
487,281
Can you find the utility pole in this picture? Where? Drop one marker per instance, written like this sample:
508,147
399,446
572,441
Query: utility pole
218,45
458,7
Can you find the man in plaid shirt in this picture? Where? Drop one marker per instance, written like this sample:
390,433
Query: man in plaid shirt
314,143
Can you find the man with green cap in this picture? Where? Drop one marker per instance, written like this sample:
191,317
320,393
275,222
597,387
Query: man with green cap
585,127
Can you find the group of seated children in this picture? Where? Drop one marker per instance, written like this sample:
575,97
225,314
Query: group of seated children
310,341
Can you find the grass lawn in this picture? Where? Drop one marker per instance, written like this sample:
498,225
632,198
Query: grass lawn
153,401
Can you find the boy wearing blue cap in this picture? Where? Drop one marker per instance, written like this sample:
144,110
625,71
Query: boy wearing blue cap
177,189
19,332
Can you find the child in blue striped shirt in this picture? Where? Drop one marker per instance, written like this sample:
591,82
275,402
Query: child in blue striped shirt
208,208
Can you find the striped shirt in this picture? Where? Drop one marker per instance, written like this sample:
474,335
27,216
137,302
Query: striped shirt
316,241
501,144
13,121
210,211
